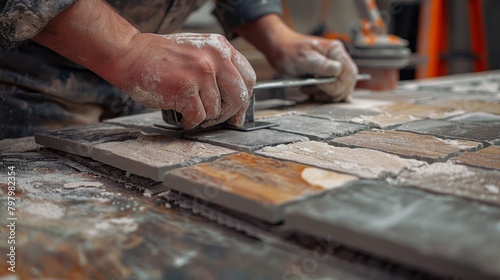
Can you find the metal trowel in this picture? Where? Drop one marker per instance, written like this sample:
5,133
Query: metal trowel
173,118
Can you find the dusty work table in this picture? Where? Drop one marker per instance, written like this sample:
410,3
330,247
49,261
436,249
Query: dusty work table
417,170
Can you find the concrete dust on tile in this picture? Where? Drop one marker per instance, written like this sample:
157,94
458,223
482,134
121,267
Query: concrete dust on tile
252,184
152,155
423,147
385,120
486,158
361,162
246,141
459,180
314,128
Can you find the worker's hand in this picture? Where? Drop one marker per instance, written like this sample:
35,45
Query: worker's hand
200,76
296,54
303,55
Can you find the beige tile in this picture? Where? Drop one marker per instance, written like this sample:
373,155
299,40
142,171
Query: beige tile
361,162
406,144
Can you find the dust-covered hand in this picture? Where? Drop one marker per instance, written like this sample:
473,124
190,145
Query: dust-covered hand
297,54
200,76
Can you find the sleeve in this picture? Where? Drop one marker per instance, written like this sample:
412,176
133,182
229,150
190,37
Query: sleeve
22,19
233,13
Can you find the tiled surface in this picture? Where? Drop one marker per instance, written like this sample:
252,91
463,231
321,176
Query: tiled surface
257,186
314,128
443,234
477,131
457,180
424,220
486,158
151,156
145,122
245,140
409,145
79,140
364,163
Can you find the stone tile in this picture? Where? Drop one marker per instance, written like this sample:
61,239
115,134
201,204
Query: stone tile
442,234
364,163
79,140
257,186
314,128
333,112
422,110
245,140
385,120
476,117
152,155
146,122
409,145
469,182
486,131
472,105
486,158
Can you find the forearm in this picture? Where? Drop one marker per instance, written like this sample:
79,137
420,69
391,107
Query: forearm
92,34
267,34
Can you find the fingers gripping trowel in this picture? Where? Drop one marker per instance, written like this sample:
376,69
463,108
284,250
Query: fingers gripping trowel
173,118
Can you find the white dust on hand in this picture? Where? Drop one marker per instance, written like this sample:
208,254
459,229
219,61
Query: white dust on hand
201,41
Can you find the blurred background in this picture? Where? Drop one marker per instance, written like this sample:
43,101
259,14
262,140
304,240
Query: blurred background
444,36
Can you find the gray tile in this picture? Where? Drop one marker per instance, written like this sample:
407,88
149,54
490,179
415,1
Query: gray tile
469,182
79,140
254,185
245,140
332,112
146,122
409,145
314,128
151,156
485,131
364,163
442,234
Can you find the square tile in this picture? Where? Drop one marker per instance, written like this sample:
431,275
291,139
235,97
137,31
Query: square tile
442,234
151,156
254,185
314,128
79,140
246,141
364,163
409,145
469,182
